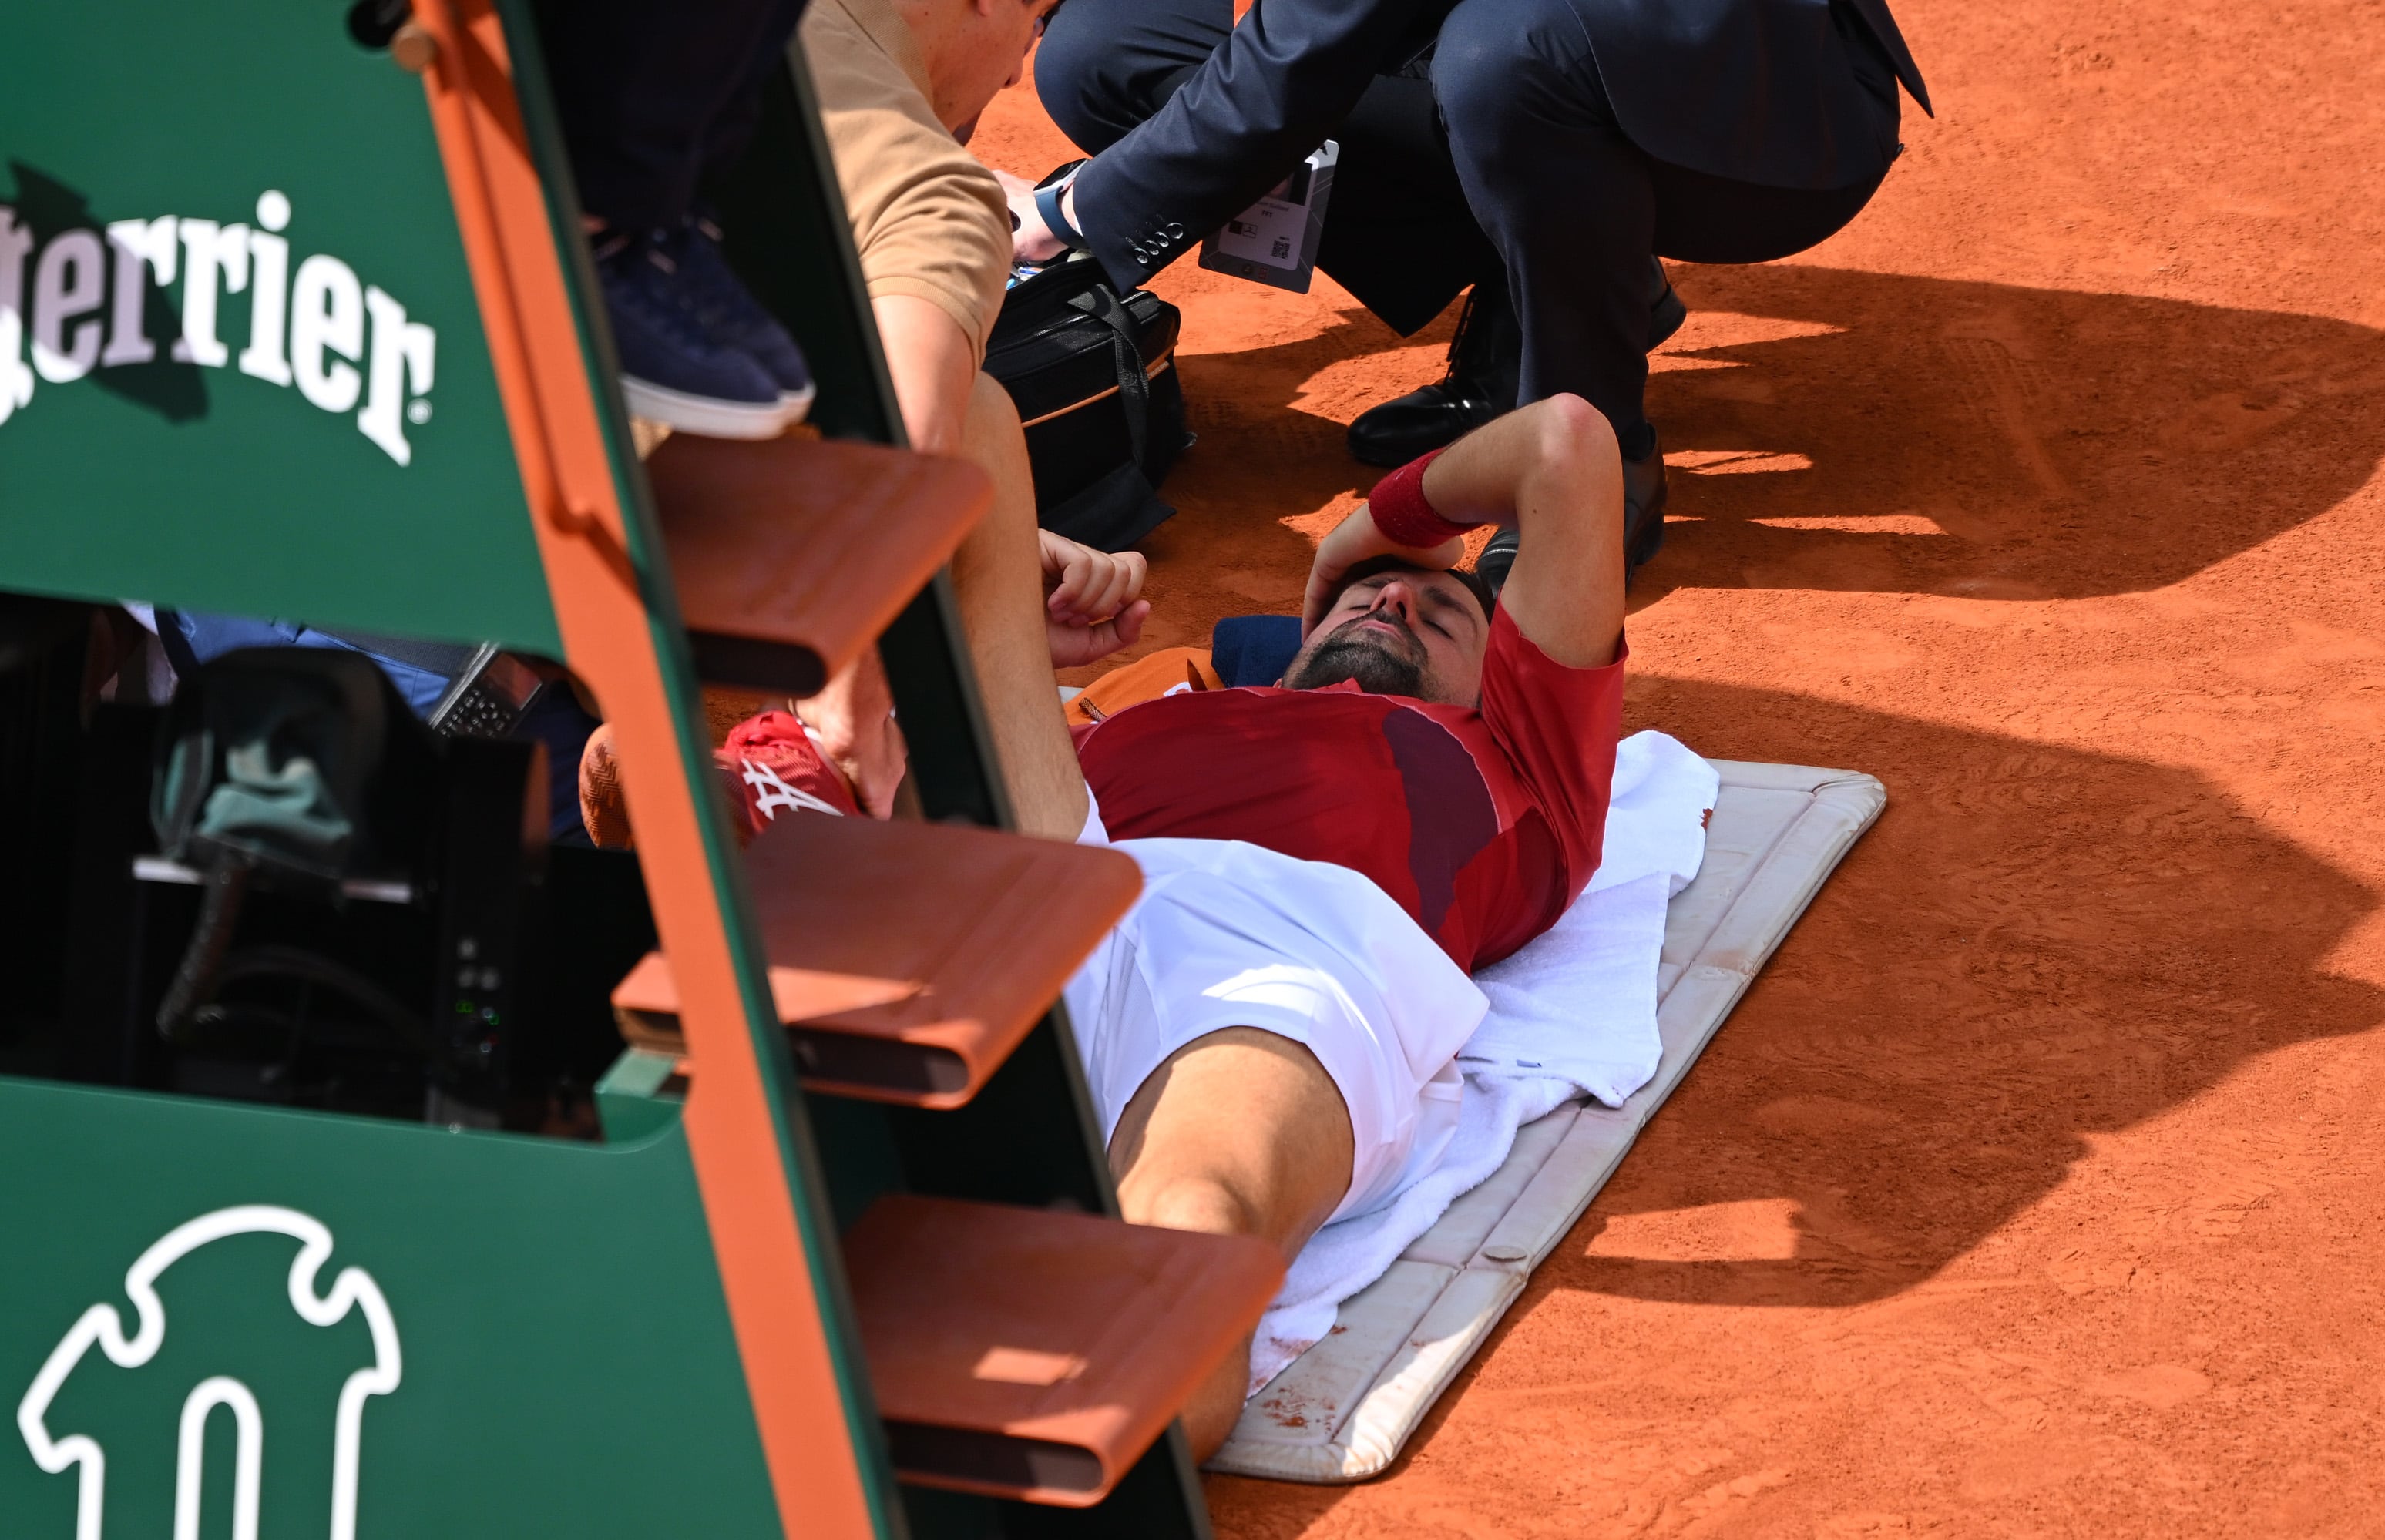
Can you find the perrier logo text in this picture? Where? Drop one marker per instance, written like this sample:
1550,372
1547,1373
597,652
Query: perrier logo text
79,303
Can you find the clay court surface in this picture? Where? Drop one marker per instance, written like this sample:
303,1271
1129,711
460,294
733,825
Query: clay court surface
2036,1188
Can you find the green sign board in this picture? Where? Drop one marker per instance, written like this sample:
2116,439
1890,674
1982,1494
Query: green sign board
229,1321
232,296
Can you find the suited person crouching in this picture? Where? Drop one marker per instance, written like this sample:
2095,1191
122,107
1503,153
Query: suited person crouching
1544,152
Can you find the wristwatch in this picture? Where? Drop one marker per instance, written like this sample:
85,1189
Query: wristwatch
1047,204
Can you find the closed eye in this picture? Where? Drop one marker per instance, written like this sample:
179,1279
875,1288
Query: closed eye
1438,606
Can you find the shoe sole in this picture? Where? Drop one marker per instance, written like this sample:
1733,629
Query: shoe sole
798,405
706,417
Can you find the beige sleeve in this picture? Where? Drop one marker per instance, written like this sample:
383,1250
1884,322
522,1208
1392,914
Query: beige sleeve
928,219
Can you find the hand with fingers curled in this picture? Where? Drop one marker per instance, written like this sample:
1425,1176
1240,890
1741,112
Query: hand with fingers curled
1092,600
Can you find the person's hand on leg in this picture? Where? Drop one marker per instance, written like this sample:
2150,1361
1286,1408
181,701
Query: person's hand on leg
853,719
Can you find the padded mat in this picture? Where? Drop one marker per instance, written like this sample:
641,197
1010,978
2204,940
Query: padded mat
1342,1411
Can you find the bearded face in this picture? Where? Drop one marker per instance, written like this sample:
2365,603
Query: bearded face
1399,630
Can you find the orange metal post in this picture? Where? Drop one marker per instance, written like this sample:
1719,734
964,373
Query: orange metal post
733,1129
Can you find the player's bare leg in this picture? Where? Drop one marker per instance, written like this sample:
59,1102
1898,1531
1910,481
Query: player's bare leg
1241,1132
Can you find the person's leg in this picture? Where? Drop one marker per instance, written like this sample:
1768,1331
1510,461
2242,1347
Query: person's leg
1707,218
639,89
731,129
1241,1132
1563,194
1267,1042
1398,233
1575,209
998,579
1105,65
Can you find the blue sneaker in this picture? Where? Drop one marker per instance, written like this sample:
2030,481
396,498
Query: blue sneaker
673,370
730,312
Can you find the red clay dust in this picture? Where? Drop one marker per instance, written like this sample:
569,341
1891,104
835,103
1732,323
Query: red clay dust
2034,1190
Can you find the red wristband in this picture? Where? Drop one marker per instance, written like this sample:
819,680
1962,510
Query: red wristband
1402,512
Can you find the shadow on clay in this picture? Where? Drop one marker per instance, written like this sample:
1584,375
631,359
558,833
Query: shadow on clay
1998,973
1873,432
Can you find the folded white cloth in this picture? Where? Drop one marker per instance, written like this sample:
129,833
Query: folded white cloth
1573,1012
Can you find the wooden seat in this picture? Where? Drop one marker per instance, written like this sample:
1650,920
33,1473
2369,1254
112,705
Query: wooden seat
792,554
1033,1354
907,960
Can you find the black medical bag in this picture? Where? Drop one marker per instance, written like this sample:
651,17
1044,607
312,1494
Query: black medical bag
1093,374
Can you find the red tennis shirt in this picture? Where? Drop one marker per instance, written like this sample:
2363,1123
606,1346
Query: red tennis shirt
1482,823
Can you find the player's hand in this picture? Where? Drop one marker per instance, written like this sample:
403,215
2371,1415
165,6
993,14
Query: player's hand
1353,541
1030,239
1092,602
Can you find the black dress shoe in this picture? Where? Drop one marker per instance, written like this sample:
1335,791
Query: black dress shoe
1485,358
1423,420
1644,525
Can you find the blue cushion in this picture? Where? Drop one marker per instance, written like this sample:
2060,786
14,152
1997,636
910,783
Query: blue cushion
1254,649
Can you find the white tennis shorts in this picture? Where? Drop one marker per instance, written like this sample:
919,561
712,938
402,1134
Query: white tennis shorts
1231,934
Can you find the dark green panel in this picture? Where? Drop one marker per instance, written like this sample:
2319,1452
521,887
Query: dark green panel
565,1361
357,493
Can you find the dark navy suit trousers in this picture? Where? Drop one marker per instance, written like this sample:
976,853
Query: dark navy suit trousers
1484,145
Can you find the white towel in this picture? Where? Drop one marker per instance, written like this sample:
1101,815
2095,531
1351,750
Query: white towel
1573,1012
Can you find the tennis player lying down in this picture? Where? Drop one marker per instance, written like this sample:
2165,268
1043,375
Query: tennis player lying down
1270,1034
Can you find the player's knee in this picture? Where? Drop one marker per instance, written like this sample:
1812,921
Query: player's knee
1191,1202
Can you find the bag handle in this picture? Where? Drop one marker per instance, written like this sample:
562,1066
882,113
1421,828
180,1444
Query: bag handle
1102,303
